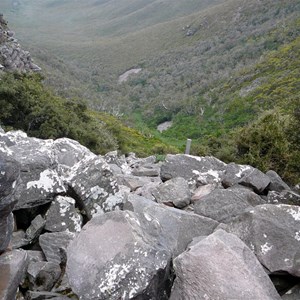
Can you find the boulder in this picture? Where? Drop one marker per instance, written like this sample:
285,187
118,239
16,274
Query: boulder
121,261
223,205
292,294
54,245
9,175
202,191
272,232
62,215
220,266
18,239
172,228
284,197
135,182
42,275
13,266
92,182
277,184
146,170
245,175
203,170
36,227
175,191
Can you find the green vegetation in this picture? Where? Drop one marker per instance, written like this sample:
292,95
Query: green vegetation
25,104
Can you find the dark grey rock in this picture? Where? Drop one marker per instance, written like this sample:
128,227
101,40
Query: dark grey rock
9,176
35,256
62,215
93,182
54,245
277,184
172,228
223,205
292,294
175,191
203,170
245,175
220,266
18,239
35,228
120,260
42,275
13,266
272,232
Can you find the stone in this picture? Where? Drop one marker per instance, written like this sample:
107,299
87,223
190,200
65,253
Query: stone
54,245
18,239
285,197
277,184
31,295
1,129
175,191
13,266
147,190
223,205
204,170
292,294
63,215
171,228
9,177
35,255
221,266
42,275
135,182
92,182
272,232
245,175
202,191
121,261
36,227
146,170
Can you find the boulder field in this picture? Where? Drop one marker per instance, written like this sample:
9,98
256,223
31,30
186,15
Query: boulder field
75,225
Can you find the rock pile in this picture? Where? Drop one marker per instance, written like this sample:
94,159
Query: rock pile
12,56
75,225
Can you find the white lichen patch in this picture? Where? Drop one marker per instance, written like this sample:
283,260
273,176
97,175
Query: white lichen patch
97,192
47,182
243,169
297,236
265,248
295,212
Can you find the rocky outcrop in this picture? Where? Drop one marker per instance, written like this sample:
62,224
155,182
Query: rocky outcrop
116,227
12,56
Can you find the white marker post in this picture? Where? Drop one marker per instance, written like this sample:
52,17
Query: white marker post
188,146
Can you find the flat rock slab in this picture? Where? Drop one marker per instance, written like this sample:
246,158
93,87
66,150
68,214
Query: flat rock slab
113,258
203,170
13,266
221,267
223,205
272,232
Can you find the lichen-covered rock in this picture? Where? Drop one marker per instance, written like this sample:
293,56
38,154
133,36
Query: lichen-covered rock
245,175
92,182
272,232
9,175
63,215
121,261
35,228
202,170
175,191
13,266
220,266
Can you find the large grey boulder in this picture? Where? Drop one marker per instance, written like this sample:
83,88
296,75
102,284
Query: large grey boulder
245,175
9,175
277,184
63,215
172,228
92,182
12,270
223,205
221,266
114,258
202,170
175,191
272,232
